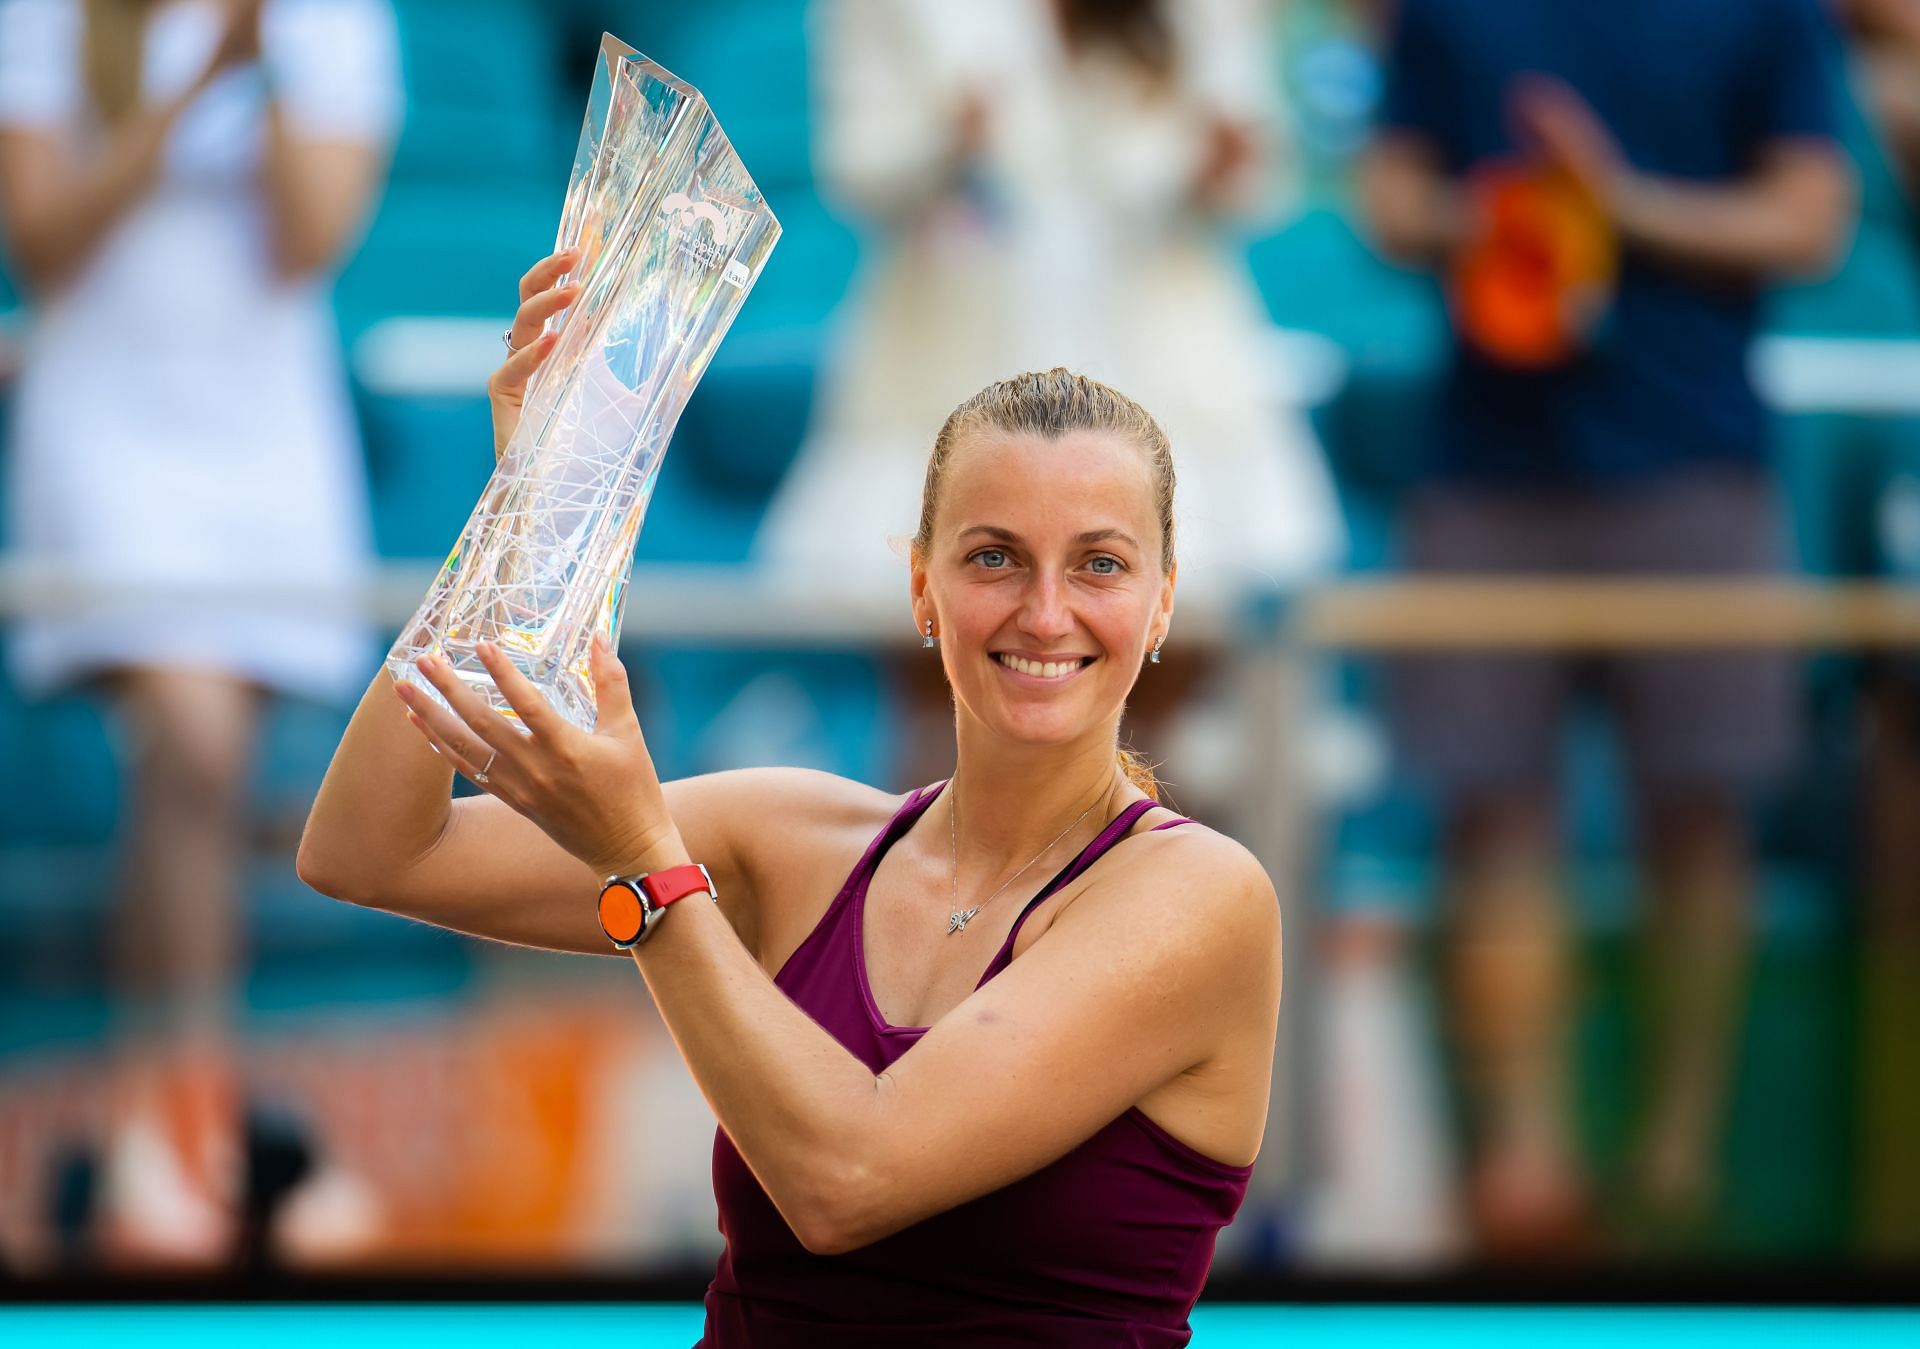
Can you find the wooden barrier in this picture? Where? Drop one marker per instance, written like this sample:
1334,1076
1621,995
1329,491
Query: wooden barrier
1550,613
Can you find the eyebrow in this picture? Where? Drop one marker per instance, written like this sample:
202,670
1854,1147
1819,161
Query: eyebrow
1090,536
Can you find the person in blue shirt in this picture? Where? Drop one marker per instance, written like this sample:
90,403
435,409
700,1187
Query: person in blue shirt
1691,147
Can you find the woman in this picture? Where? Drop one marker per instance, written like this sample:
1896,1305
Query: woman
177,179
1054,181
1040,1153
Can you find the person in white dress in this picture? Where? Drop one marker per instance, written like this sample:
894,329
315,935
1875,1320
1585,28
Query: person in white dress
1052,182
177,180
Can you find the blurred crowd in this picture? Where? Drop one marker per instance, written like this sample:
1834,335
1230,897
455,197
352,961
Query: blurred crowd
1483,288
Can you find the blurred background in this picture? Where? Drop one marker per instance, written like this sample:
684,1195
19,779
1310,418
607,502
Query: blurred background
1556,1000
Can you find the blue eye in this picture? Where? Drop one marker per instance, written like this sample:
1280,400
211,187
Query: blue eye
991,558
1105,566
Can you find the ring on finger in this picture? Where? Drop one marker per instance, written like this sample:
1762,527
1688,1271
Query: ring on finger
506,340
481,776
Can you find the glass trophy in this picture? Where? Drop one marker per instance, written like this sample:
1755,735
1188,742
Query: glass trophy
673,234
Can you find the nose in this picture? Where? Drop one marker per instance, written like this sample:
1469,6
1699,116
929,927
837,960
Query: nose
1045,615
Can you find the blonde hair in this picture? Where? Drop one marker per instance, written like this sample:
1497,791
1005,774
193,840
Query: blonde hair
111,51
1052,404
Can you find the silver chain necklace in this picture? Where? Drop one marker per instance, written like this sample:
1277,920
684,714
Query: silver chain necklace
959,918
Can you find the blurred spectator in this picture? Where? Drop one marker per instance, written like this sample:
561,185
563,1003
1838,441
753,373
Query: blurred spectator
1886,45
1050,182
1605,188
177,178
1885,69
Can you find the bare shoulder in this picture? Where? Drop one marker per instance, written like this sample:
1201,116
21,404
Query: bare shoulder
1203,892
793,786
782,834
1224,863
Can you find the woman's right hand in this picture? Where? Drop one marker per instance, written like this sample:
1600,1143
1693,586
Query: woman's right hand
540,300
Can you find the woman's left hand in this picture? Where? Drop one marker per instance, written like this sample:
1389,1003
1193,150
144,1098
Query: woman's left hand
596,795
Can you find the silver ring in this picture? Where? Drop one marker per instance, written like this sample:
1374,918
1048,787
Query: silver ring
506,340
481,776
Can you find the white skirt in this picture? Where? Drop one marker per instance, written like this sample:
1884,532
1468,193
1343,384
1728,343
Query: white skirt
189,487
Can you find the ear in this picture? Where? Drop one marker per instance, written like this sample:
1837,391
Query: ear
1164,621
917,591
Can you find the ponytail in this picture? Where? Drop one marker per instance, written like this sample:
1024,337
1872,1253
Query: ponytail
1139,772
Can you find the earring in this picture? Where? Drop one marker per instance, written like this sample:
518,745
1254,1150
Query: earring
928,640
1153,656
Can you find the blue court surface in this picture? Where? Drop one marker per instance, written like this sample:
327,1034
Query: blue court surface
552,1326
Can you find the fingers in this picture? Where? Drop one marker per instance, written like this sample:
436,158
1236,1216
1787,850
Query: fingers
472,728
531,318
511,376
461,763
611,693
545,272
526,701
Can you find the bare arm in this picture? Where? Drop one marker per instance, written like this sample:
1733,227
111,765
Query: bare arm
1085,1024
385,830
386,833
1415,211
318,194
55,213
1788,217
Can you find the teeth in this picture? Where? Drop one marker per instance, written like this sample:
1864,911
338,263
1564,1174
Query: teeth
1038,669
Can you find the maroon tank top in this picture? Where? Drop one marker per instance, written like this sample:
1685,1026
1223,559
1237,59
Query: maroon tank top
1109,1245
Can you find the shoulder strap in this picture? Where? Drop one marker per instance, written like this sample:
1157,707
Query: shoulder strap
1105,839
912,809
1093,852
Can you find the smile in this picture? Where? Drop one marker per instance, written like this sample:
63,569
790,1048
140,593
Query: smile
1056,670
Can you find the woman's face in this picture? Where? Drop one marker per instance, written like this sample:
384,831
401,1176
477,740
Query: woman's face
1045,556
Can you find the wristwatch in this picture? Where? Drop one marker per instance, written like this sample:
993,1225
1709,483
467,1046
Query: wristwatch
631,905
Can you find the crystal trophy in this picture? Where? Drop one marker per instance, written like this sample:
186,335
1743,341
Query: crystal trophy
673,234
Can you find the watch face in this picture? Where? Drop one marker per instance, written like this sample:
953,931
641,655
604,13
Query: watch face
620,913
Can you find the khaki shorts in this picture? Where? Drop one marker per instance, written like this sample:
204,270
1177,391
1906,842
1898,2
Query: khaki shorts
1486,721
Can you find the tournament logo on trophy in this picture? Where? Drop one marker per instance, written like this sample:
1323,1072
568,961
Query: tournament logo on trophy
672,234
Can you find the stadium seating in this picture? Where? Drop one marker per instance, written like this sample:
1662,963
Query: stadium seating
495,88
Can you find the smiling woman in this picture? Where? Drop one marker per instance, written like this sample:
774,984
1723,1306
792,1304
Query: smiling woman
942,1117
1078,452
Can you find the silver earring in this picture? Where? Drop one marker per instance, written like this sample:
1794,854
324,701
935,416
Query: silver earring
928,641
1153,656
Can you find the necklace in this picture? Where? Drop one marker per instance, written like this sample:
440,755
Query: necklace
959,918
